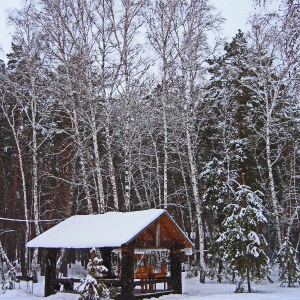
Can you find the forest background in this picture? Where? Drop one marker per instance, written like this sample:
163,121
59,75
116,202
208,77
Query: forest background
130,105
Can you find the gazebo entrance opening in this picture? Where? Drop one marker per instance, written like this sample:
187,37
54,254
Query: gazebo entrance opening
151,267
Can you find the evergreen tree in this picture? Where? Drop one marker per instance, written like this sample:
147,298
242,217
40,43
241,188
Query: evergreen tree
92,288
288,267
215,198
241,242
233,106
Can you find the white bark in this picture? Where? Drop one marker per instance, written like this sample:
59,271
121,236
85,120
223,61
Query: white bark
36,210
10,117
273,40
194,181
112,175
82,162
190,42
3,257
160,25
272,183
157,168
125,29
101,202
190,215
166,157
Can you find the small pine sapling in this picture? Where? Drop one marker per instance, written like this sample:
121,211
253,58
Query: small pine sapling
92,288
215,265
193,271
288,267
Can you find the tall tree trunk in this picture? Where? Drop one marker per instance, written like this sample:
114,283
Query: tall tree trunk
127,184
112,175
248,280
82,163
271,180
101,202
157,168
166,157
36,210
3,257
194,180
15,130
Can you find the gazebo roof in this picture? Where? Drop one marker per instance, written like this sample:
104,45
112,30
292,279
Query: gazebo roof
114,229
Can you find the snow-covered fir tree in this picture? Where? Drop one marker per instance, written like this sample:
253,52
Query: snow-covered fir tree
92,288
288,267
241,243
215,197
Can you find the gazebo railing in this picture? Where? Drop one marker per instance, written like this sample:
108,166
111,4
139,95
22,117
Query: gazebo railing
147,284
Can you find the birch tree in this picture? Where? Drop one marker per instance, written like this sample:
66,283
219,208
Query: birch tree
276,59
126,23
196,19
27,93
13,114
160,18
72,47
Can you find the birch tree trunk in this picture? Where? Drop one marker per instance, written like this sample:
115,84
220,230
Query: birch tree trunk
197,199
3,257
36,211
125,29
275,61
183,175
112,175
108,83
160,18
272,183
157,168
85,20
166,156
190,40
82,162
10,117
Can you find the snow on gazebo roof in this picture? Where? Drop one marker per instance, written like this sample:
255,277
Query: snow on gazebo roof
111,229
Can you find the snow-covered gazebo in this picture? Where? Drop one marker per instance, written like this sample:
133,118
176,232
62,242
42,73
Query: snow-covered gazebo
129,231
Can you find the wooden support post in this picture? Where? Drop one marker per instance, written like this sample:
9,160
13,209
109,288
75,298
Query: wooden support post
176,275
50,273
157,235
106,256
127,273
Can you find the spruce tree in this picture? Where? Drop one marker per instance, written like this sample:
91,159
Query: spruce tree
241,242
92,288
215,198
288,267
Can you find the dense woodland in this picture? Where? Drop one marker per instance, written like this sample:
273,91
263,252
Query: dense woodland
129,105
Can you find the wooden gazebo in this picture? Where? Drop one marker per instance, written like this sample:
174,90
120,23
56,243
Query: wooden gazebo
129,232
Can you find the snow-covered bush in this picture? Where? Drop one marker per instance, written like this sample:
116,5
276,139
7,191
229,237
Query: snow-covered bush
8,280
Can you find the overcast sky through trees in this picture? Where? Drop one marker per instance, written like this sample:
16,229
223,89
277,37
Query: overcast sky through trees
236,13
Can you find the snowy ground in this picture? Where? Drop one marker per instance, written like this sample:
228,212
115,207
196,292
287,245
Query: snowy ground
192,290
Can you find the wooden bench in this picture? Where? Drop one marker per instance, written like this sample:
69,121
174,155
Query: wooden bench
26,278
153,294
155,274
68,283
142,274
